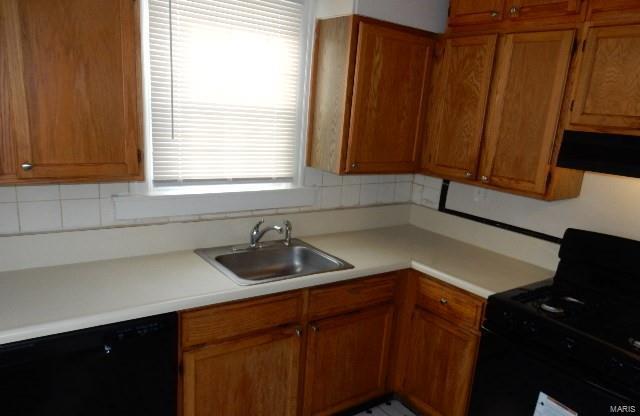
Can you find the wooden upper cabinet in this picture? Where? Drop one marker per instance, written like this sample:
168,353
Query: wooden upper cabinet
524,109
523,9
607,93
461,79
464,12
347,360
70,77
257,375
367,96
391,74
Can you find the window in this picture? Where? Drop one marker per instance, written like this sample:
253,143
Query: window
226,86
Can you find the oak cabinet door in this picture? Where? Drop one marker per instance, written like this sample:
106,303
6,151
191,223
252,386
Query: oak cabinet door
524,109
346,360
440,366
74,77
391,72
257,375
457,106
522,9
608,89
463,12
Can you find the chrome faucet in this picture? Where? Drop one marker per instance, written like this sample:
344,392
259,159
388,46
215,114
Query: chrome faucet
257,234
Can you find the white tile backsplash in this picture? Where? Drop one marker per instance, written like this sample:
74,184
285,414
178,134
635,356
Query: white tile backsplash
402,192
46,208
38,193
80,213
312,177
85,191
107,190
9,221
369,194
329,179
40,216
386,193
8,194
330,197
350,195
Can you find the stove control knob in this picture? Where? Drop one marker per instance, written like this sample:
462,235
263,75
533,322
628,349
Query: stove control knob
635,343
569,344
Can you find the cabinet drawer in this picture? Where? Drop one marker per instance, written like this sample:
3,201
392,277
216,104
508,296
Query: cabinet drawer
216,323
450,303
344,297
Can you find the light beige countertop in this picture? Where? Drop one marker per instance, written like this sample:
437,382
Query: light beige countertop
49,300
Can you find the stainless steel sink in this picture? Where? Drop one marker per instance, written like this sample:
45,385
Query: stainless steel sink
272,261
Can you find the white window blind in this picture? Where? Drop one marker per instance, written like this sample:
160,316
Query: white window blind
225,86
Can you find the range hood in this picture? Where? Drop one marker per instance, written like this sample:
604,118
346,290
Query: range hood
616,154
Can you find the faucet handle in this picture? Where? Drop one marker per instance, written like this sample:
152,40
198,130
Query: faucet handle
287,232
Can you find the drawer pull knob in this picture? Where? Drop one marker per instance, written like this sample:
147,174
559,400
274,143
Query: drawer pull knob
299,332
26,166
315,328
443,301
494,13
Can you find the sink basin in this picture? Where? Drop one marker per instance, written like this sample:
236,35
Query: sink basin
273,261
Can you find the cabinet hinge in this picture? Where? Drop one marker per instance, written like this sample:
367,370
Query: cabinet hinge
139,156
584,45
573,102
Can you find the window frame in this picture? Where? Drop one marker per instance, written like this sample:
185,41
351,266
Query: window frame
306,51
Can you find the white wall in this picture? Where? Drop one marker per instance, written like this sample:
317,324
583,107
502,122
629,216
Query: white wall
607,204
428,15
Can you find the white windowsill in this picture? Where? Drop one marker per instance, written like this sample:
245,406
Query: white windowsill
211,199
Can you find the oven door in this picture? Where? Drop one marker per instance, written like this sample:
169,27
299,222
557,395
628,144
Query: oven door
514,380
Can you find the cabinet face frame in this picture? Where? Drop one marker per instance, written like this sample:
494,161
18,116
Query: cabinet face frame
442,96
128,166
498,113
587,61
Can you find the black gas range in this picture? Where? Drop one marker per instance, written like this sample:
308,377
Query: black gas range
569,345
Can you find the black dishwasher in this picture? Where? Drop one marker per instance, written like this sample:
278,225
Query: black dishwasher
128,368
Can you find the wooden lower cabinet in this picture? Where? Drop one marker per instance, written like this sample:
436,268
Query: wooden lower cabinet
326,349
347,360
440,365
257,375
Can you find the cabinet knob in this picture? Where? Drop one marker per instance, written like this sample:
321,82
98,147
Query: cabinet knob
443,301
315,328
26,166
354,166
514,11
299,332
484,179
494,13
468,174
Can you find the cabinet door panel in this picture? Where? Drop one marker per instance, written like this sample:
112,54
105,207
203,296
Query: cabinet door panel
457,106
608,89
529,84
391,72
250,376
522,9
440,366
464,12
74,86
347,360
